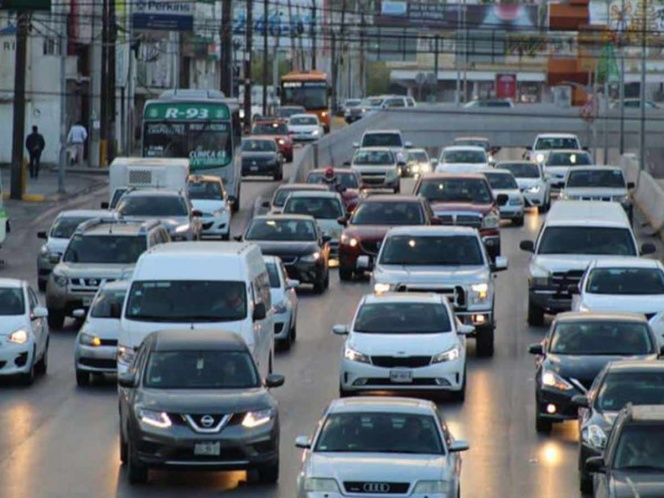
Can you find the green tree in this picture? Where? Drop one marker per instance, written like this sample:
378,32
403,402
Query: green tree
378,78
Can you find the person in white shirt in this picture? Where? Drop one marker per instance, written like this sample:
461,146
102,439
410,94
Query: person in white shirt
76,138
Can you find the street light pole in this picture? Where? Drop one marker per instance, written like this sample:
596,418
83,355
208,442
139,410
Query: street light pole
644,46
622,78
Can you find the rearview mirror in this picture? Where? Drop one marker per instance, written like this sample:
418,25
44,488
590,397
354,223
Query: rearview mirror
433,161
238,238
127,380
80,313
364,263
54,259
340,329
648,248
536,349
274,380
528,147
342,220
465,329
500,264
196,213
631,185
266,204
527,245
580,400
42,235
408,145
292,284
105,205
459,446
347,164
326,239
303,442
260,312
40,312
356,145
595,465
502,199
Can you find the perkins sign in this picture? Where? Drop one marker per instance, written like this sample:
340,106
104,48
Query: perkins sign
169,15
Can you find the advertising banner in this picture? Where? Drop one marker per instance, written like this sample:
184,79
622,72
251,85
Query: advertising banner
632,19
506,86
168,15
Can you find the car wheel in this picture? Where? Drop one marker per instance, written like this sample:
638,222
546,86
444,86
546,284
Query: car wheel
397,189
542,426
484,342
226,237
123,448
460,395
293,333
345,274
137,473
343,393
319,286
42,365
535,315
42,285
28,378
326,283
518,222
56,319
82,378
269,473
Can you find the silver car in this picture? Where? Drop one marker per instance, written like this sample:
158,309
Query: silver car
380,446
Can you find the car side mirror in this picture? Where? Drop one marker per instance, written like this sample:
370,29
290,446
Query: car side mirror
648,248
465,329
42,235
340,329
459,446
274,380
581,401
326,239
587,149
79,313
238,238
536,349
343,221
303,442
436,221
364,263
196,213
528,148
127,380
595,465
260,312
266,204
356,145
408,145
527,245
347,164
433,161
105,205
54,259
502,199
630,185
292,284
500,264
39,312
573,289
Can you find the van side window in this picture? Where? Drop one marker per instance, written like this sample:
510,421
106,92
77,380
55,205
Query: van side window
263,281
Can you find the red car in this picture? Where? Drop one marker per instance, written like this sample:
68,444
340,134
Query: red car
347,178
373,217
464,199
277,128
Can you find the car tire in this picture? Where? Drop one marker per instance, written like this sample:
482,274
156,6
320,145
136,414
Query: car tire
269,474
82,378
345,274
124,451
460,395
319,285
326,283
397,189
484,342
226,237
586,485
42,285
535,315
542,426
56,319
28,378
544,208
518,222
343,393
137,473
42,365
289,158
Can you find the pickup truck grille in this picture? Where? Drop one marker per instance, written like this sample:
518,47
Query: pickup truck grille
456,295
465,220
567,278
371,247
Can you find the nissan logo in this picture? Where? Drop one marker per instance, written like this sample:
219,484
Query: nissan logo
94,282
207,421
376,487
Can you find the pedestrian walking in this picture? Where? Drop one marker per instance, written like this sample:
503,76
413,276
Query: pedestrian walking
35,144
76,138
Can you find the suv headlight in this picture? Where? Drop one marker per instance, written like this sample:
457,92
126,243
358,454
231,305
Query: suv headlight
379,287
491,220
624,199
257,418
89,340
595,436
352,355
539,157
552,379
311,258
60,279
154,418
480,292
43,251
126,355
19,336
321,485
280,307
350,241
182,228
449,355
429,487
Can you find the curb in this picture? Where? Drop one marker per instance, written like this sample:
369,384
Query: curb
57,197
84,171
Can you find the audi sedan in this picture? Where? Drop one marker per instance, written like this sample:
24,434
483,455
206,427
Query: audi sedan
380,446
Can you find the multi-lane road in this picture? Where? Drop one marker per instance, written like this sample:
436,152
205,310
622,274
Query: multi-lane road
58,440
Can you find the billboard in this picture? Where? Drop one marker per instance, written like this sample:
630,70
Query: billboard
630,20
167,15
25,5
506,86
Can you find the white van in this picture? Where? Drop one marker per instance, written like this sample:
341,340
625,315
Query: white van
200,285
139,172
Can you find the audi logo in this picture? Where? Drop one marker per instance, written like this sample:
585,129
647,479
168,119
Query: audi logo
207,421
376,487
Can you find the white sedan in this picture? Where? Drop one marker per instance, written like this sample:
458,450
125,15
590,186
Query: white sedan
622,284
284,301
531,181
462,159
24,334
503,182
208,195
401,341
305,127
380,446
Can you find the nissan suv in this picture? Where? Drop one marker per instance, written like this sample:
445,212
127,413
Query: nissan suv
99,251
391,139
451,261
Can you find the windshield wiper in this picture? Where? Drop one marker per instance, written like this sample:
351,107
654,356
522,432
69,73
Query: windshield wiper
151,318
641,467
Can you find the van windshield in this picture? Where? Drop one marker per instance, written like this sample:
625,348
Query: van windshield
105,249
587,240
190,301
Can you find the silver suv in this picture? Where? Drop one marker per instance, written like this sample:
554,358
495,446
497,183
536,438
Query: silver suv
445,260
99,251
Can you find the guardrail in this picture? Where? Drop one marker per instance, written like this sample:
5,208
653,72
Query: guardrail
648,194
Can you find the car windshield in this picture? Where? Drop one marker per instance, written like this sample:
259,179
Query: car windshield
376,432
418,157
200,370
388,213
259,146
611,178
303,121
373,158
473,143
273,274
270,129
352,103
625,281
556,143
601,338
108,304
521,170
65,226
212,191
287,112
473,190
187,301
347,180
458,250
324,208
568,159
464,157
638,388
157,206
12,301
281,229
382,140
402,318
501,181
105,249
283,193
587,240
640,447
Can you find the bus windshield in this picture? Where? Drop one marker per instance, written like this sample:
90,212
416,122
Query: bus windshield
309,94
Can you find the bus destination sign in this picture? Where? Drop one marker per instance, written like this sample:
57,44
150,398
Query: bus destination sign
186,111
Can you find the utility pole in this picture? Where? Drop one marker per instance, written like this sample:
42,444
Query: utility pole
226,59
363,81
457,55
62,158
265,56
104,111
19,105
292,36
622,78
249,42
333,55
112,67
314,63
436,52
644,46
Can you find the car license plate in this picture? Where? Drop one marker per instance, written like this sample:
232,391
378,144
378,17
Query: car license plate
207,449
401,376
87,301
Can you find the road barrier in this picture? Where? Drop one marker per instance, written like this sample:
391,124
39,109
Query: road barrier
648,194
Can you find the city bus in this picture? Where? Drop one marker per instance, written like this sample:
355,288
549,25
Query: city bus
309,89
200,125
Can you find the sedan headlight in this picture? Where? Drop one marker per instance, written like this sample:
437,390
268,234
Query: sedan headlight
429,487
60,279
182,228
624,199
321,485
449,355
552,379
352,355
481,291
257,418
126,355
43,251
534,189
281,141
280,307
539,158
311,258
491,220
595,436
379,288
349,241
19,336
154,418
315,132
89,340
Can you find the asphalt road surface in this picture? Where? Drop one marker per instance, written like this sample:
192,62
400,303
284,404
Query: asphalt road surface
58,440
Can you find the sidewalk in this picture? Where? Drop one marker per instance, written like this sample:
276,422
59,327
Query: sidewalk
45,188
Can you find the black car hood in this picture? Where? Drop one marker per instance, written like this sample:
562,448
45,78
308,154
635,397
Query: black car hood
247,156
631,484
583,368
213,401
289,248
